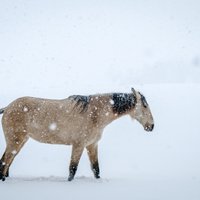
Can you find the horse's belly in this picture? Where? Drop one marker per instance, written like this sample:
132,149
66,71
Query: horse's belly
56,134
47,138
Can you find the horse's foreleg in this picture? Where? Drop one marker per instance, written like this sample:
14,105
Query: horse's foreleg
93,156
77,151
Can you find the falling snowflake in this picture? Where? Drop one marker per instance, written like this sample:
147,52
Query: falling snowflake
111,102
53,126
14,152
25,109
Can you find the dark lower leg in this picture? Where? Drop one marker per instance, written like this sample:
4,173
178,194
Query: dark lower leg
2,168
7,173
72,171
95,169
3,175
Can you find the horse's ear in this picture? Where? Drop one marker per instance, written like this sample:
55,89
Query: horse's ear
133,90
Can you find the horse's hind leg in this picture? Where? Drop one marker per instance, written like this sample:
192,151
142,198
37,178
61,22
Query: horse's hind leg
92,151
12,149
1,165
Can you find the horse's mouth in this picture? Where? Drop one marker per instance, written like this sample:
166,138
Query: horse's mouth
149,127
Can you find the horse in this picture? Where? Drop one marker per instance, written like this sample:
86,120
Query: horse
77,120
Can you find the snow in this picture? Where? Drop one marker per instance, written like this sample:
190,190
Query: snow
56,49
87,188
111,102
25,109
53,126
14,152
107,114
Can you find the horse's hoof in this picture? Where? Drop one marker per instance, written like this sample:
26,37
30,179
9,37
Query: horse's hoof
7,173
2,177
70,178
97,177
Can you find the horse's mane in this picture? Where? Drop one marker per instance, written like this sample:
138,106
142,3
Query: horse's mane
81,102
123,102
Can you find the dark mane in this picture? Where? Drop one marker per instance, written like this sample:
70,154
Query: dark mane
81,102
123,102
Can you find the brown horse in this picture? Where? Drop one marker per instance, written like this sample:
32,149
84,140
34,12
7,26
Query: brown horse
78,121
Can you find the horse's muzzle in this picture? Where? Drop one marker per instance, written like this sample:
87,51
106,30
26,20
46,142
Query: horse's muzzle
149,127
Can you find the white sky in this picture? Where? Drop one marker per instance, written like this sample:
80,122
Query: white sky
46,44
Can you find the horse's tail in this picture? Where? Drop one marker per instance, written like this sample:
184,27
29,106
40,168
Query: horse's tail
2,110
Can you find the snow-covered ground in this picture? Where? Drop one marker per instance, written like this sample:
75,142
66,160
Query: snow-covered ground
54,49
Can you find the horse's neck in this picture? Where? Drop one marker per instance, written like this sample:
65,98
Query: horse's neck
105,110
114,117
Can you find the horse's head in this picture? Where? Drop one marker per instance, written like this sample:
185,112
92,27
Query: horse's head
142,112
